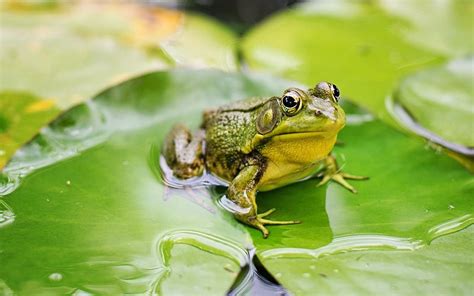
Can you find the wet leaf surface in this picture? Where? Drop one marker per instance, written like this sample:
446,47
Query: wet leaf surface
443,268
91,213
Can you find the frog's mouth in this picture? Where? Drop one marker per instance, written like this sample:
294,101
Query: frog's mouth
309,134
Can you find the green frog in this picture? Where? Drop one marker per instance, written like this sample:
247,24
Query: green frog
260,144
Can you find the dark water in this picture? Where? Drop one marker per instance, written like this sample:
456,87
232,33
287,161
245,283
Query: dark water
254,279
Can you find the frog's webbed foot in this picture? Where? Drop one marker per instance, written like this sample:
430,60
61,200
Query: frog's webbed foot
259,222
332,172
242,191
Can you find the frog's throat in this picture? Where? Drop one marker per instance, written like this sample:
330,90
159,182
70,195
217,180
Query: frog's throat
320,135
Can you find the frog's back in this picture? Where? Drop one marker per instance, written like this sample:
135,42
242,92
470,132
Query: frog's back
228,129
246,105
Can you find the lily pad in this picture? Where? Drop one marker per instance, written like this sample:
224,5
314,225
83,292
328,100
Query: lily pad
88,212
70,52
21,117
362,46
440,101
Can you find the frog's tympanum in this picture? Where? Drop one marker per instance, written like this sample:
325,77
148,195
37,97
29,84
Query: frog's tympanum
261,144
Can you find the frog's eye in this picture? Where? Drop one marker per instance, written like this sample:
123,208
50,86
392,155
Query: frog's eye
291,103
335,92
326,90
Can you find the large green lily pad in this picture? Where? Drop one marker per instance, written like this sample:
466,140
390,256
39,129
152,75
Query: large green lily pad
84,208
362,46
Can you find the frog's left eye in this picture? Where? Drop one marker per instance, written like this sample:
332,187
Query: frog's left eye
335,92
291,103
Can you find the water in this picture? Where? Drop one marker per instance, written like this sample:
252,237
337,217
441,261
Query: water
7,216
253,278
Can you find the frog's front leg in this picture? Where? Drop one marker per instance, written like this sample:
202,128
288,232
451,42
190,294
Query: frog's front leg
242,191
331,171
184,153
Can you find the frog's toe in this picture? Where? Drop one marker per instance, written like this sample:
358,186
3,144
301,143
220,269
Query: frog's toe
262,228
260,219
324,180
272,222
340,179
353,177
264,214
259,222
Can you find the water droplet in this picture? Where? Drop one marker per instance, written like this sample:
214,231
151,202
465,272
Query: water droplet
68,183
306,275
336,270
278,274
2,152
55,277
450,207
6,214
312,267
8,183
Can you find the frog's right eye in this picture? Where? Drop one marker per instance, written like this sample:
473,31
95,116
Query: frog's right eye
291,103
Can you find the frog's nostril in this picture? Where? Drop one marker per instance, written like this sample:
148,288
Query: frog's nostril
318,113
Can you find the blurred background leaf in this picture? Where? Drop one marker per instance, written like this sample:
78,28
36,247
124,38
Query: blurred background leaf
69,53
364,47
441,99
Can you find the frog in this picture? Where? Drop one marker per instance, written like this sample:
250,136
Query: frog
261,144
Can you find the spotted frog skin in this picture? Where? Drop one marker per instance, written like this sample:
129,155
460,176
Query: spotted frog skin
260,144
